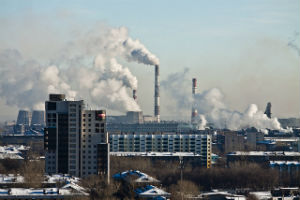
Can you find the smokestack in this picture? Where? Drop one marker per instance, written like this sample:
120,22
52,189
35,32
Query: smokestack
194,110
156,94
194,86
268,110
134,95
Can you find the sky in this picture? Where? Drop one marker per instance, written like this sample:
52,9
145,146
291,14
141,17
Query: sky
240,47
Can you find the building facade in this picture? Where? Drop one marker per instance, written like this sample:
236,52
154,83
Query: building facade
72,135
168,142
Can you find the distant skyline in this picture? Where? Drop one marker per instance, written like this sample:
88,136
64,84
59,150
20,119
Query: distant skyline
240,47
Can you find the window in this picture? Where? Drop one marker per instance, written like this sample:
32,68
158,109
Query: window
72,129
51,106
73,161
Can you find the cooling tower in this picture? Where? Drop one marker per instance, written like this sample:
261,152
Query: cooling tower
38,117
24,117
156,95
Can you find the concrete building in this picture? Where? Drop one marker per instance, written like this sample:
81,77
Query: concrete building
72,136
262,157
168,142
252,139
93,133
234,141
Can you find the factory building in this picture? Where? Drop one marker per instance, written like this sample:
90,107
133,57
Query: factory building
72,137
169,142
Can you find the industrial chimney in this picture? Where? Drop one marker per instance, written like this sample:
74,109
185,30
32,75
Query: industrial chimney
156,94
194,110
268,110
134,95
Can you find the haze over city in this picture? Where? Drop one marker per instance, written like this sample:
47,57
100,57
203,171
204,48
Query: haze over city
241,52
156,100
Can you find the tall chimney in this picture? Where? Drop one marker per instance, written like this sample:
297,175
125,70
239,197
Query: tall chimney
134,95
156,94
194,110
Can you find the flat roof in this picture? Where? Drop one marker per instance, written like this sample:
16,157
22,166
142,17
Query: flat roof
154,154
264,153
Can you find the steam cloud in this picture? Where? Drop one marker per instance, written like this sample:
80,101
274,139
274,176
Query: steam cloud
86,68
211,107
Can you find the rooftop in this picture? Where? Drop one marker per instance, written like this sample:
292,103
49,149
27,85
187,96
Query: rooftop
264,153
158,154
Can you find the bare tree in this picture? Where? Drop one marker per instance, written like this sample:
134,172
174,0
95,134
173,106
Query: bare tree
183,189
33,172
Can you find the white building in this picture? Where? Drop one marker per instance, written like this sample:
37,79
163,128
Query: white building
169,142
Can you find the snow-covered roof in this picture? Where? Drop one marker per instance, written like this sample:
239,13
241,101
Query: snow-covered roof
61,177
75,190
151,191
226,194
262,195
141,177
158,154
12,151
11,178
265,153
284,162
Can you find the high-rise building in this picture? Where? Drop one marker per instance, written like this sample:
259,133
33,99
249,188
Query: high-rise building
72,137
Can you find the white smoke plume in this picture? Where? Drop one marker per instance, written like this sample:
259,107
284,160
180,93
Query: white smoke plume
212,109
210,103
86,68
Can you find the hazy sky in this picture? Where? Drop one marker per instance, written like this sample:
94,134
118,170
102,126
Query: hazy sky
238,46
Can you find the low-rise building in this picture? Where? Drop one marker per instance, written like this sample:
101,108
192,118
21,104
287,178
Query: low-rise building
263,157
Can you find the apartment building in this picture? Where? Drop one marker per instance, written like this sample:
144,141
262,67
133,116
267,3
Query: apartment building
72,136
168,142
